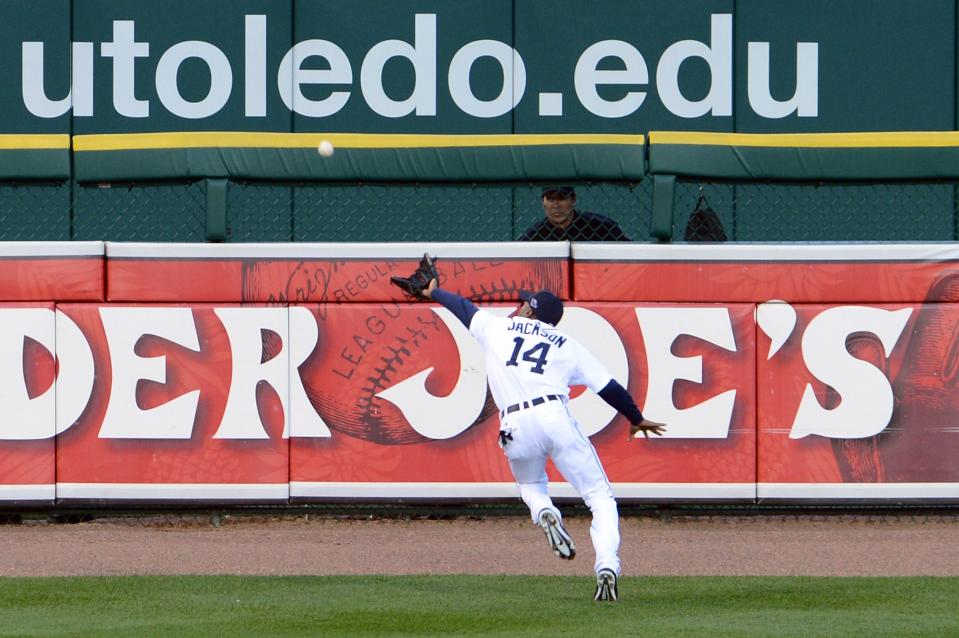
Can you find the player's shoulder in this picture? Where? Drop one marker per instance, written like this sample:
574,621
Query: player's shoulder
487,320
483,315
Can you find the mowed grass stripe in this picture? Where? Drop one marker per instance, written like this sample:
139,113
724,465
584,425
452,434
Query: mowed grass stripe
332,606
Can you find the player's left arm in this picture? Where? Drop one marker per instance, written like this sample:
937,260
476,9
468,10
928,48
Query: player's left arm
617,396
592,373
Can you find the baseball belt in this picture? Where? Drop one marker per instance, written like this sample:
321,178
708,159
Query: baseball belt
532,403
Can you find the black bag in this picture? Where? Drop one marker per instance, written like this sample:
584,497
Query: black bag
704,224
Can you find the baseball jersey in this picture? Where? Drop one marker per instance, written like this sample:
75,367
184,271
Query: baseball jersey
526,358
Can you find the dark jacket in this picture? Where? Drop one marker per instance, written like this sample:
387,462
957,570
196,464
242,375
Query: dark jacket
585,227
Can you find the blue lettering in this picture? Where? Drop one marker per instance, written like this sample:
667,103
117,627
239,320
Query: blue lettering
529,328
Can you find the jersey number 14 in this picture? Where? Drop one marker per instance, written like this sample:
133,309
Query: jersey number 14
535,355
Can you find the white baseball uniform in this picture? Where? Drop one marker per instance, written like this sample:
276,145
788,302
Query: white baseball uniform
530,366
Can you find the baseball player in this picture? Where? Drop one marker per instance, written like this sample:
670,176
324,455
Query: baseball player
530,366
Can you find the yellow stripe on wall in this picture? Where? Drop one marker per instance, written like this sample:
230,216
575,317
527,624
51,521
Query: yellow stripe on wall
212,139
34,142
810,140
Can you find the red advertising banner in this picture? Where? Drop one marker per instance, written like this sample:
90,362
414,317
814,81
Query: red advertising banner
823,390
181,403
860,403
326,273
28,397
774,399
51,271
408,412
734,273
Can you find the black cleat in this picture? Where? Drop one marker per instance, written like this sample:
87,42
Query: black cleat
559,539
606,588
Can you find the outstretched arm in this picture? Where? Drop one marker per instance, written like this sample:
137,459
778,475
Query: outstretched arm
462,308
617,396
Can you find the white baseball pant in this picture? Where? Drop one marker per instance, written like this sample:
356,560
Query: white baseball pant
550,431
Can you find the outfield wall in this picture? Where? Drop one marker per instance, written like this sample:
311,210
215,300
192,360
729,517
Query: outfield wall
269,373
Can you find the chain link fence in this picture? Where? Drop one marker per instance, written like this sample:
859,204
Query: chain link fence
385,212
157,212
35,211
832,211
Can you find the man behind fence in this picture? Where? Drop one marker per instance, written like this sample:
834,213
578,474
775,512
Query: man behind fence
563,222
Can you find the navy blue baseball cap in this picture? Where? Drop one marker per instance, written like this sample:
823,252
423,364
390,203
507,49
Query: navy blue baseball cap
563,191
546,306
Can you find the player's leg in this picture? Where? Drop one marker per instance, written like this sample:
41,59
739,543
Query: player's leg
527,460
576,459
531,478
543,511
522,442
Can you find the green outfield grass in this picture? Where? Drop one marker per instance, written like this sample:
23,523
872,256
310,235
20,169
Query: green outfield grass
476,606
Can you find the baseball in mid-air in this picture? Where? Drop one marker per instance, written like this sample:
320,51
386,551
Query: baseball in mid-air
325,148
